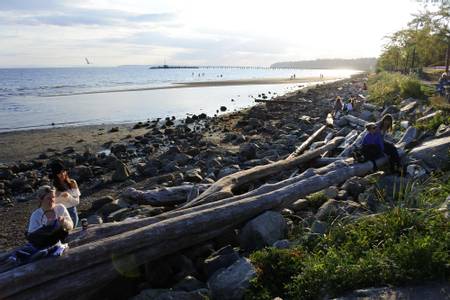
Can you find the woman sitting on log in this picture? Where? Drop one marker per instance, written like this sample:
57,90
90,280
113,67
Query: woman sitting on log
67,192
384,126
48,227
372,144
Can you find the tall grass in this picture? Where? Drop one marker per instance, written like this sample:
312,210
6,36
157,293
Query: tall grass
388,88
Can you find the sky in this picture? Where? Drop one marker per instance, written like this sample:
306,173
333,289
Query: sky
58,33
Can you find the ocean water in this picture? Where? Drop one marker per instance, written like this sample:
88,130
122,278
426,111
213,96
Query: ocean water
45,97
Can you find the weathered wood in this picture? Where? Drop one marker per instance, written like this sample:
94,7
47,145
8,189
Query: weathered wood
224,187
370,106
96,277
354,120
349,139
347,151
109,229
85,256
163,196
408,137
306,143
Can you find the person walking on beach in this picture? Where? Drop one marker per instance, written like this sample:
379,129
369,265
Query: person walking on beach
67,192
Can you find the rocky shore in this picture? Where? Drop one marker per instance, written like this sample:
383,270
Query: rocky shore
125,171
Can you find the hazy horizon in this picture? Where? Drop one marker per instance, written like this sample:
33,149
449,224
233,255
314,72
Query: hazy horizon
51,33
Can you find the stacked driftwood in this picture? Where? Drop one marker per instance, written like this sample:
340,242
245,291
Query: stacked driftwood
95,253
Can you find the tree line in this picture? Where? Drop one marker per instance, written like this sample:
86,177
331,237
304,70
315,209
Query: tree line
425,42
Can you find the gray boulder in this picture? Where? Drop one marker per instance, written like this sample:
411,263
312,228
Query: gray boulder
189,284
121,173
222,258
434,153
82,173
248,151
264,230
166,294
228,170
231,283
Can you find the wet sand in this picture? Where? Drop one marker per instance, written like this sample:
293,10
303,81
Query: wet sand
214,83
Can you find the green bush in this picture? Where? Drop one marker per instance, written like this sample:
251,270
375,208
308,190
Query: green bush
397,247
389,88
433,123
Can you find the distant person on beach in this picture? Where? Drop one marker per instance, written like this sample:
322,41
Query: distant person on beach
48,227
67,192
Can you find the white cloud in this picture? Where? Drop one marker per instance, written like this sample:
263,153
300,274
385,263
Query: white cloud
250,32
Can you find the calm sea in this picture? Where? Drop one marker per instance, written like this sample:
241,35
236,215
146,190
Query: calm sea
40,97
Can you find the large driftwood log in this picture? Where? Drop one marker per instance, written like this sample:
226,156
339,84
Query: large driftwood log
163,196
355,120
347,151
224,187
302,148
109,229
85,256
88,280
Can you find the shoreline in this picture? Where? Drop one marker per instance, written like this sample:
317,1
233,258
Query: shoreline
212,83
28,144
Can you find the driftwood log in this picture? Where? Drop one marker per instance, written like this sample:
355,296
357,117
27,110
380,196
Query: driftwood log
109,229
302,148
224,187
355,120
31,276
164,196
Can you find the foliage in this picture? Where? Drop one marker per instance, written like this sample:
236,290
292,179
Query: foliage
316,199
422,43
440,103
433,123
388,88
393,248
397,247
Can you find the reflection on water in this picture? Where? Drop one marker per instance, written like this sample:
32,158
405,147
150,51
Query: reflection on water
128,107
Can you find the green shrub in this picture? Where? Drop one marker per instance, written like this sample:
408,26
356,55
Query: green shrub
389,88
433,123
397,247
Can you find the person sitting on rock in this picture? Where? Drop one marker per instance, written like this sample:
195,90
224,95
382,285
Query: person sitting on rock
384,126
67,192
48,227
372,144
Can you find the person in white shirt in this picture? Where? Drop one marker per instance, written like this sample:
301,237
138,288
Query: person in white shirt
49,211
67,192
